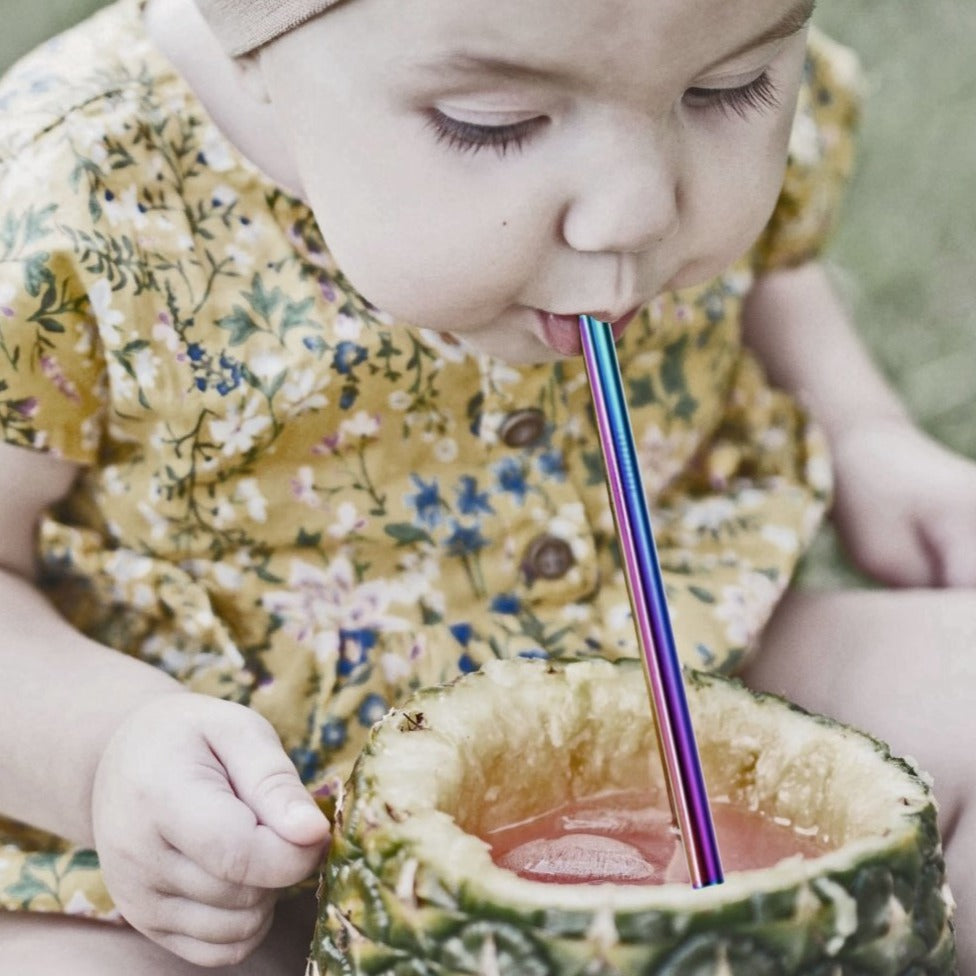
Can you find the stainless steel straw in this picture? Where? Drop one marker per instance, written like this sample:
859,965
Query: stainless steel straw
676,737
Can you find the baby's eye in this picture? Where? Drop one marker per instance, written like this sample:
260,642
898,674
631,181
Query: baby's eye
757,96
470,136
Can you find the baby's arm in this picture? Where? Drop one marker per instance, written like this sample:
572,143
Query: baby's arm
196,812
905,506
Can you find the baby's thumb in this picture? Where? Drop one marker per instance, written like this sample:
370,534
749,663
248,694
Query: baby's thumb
265,780
285,807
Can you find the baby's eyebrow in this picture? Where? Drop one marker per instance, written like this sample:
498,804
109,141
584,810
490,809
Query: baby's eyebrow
793,21
470,65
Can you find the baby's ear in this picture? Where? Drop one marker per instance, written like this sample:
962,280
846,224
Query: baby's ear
248,69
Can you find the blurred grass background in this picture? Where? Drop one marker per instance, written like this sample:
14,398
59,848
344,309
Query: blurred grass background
904,253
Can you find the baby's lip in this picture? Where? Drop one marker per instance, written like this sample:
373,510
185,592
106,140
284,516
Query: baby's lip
561,332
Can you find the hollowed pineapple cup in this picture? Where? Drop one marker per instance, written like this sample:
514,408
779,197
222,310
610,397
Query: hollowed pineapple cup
410,890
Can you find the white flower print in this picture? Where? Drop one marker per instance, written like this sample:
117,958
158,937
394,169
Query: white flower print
267,364
348,328
446,450
361,424
228,577
216,151
319,602
348,520
145,364
125,210
783,538
303,487
108,318
158,524
237,432
302,390
163,332
7,293
122,384
709,514
254,501
746,607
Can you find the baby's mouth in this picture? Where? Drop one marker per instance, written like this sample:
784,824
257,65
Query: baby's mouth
561,332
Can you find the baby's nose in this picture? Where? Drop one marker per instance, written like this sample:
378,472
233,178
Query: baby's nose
627,201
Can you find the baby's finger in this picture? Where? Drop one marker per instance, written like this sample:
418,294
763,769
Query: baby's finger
217,946
950,554
181,877
222,836
264,778
205,923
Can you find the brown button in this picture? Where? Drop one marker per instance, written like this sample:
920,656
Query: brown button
548,557
522,428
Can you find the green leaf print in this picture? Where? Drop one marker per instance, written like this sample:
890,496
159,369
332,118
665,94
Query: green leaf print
296,314
26,890
239,324
406,534
31,886
37,275
673,367
642,391
674,381
82,860
261,301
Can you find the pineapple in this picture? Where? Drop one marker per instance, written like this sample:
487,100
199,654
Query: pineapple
410,888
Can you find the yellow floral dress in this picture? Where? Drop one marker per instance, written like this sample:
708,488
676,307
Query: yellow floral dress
293,502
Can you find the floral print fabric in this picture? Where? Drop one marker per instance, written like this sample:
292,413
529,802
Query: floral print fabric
289,500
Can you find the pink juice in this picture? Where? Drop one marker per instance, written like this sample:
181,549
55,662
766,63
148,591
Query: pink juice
627,837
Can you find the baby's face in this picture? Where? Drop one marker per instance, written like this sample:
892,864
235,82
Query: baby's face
474,164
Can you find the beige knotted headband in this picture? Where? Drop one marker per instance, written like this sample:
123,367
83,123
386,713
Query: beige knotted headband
243,25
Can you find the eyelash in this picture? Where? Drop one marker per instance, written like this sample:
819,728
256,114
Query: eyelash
468,137
757,96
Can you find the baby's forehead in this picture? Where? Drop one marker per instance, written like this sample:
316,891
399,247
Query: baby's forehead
241,26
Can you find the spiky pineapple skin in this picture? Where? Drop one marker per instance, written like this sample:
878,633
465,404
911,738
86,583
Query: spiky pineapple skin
383,913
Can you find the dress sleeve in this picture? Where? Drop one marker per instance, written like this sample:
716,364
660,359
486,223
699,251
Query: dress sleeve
821,156
52,372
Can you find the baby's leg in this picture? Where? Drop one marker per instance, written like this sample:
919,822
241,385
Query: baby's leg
39,945
900,665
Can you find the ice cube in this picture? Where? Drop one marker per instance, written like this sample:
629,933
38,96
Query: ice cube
578,859
615,819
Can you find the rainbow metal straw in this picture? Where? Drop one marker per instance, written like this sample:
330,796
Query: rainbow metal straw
682,765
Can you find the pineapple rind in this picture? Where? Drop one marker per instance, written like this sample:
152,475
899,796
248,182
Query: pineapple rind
388,911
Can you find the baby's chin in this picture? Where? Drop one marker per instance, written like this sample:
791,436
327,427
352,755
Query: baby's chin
513,346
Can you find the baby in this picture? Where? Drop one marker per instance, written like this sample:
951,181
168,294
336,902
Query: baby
295,418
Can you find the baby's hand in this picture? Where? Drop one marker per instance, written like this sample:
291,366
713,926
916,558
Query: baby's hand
199,817
906,506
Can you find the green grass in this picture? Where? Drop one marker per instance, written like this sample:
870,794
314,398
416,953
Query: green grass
903,255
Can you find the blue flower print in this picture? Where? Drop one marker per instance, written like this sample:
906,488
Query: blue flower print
463,541
505,603
470,500
511,478
306,763
535,654
334,733
372,708
461,633
553,464
466,664
356,645
427,501
348,355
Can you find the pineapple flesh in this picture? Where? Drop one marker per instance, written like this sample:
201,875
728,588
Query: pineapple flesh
410,889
